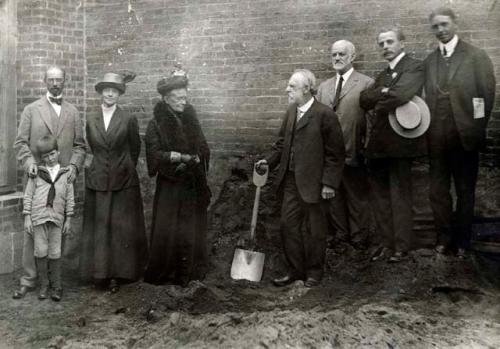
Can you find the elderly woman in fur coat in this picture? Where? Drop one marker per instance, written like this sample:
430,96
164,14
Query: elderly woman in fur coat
178,155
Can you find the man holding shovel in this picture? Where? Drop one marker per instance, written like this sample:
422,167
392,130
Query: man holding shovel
310,151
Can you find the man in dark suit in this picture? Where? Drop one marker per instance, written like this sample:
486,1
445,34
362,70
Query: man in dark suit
460,91
349,211
390,155
49,115
310,152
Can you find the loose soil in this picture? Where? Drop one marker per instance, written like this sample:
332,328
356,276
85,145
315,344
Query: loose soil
427,301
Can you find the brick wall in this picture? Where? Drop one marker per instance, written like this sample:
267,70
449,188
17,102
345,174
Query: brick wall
240,53
50,32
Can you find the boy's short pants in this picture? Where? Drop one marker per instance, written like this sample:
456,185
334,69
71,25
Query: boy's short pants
47,238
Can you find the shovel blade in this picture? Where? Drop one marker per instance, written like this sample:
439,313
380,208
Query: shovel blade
247,265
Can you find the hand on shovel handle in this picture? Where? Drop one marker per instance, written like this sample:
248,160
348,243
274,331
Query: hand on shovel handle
261,167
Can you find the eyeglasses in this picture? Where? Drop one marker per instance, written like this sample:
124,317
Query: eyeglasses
54,80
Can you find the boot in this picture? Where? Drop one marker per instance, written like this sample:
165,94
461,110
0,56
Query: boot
43,277
55,278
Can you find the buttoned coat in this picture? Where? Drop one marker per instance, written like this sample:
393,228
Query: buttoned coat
319,151
115,151
404,82
471,76
39,119
351,116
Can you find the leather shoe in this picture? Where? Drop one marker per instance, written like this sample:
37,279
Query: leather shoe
380,253
461,253
56,295
43,293
441,249
114,287
283,281
21,292
311,282
397,257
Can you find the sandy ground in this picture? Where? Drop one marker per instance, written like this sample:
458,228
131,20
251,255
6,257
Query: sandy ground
427,301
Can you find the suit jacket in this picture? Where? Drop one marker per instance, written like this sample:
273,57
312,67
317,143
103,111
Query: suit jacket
404,82
39,119
319,151
471,76
115,151
351,116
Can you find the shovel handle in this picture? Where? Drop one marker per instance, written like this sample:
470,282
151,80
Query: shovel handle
255,211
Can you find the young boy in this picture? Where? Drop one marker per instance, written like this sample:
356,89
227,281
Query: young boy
48,208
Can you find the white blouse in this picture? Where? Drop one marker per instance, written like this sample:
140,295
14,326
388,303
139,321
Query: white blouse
107,113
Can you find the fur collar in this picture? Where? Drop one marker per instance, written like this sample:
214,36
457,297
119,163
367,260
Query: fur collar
180,131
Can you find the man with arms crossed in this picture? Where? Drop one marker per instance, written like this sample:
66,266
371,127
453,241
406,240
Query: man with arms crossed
390,155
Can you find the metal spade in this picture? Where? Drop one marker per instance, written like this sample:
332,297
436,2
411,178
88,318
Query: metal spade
249,264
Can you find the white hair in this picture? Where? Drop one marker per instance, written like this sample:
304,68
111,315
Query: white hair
309,79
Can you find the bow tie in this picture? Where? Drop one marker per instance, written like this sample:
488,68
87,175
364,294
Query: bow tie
55,100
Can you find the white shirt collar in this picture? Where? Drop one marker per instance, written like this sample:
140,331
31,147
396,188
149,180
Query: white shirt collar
53,171
304,108
55,106
450,46
108,109
50,95
346,75
395,61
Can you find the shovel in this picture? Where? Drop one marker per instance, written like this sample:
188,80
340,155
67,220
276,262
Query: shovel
248,264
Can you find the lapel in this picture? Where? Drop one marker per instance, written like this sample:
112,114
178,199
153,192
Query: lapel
114,122
99,125
48,115
304,120
456,59
331,95
398,69
63,117
292,118
349,84
432,66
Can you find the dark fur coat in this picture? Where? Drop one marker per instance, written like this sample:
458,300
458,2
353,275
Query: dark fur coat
180,132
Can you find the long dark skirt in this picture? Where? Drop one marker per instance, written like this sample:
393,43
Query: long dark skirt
114,237
178,249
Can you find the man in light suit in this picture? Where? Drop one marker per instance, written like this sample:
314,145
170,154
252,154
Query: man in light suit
390,155
460,91
310,153
49,115
349,211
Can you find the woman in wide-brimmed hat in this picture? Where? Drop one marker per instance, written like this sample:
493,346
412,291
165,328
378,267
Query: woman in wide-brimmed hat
114,247
177,153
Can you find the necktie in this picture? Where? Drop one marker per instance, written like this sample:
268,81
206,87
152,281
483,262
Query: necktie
445,54
55,100
337,93
299,114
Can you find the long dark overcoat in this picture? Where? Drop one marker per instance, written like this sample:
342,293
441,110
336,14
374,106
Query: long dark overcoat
114,238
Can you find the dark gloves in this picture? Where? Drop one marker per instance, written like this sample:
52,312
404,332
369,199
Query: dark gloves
187,161
181,169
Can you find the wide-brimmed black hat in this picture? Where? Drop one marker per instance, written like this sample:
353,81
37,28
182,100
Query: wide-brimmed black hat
114,80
